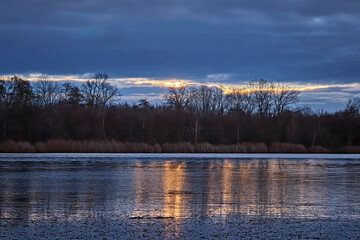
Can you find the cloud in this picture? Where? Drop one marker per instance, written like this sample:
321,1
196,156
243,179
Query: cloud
290,41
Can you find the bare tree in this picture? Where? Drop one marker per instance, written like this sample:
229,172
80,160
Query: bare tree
219,101
7,92
47,92
201,99
177,98
353,106
14,92
97,91
71,94
240,100
283,96
261,93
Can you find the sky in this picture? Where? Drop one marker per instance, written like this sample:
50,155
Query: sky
145,45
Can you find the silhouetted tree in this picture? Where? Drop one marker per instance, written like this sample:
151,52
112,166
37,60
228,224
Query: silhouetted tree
261,92
16,91
72,94
177,98
144,104
196,114
98,91
239,100
353,106
283,96
47,92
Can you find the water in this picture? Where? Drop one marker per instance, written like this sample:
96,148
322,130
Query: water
179,196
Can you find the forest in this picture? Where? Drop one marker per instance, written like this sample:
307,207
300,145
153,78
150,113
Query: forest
263,116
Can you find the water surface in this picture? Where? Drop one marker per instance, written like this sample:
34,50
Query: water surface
174,189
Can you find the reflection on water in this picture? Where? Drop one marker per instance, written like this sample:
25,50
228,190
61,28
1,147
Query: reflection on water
175,189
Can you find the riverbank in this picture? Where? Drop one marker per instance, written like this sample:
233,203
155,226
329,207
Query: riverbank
114,146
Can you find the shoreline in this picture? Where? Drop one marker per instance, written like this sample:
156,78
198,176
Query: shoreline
115,146
327,156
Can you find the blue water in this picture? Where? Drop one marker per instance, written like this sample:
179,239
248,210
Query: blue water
76,186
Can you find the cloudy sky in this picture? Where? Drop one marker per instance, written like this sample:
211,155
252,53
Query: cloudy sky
145,45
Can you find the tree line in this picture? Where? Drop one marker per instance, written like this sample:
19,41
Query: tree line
262,111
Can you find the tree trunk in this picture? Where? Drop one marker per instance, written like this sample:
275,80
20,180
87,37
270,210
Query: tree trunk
4,131
237,135
196,130
314,138
103,127
102,112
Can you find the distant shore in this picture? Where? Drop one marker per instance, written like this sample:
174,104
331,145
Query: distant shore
114,146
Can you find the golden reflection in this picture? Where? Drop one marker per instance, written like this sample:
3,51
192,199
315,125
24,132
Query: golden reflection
174,194
260,187
227,184
170,183
174,182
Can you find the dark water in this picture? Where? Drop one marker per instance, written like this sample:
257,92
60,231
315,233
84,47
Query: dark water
72,188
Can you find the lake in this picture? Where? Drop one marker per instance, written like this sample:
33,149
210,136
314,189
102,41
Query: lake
179,196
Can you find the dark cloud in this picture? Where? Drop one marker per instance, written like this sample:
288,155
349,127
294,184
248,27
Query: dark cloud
295,40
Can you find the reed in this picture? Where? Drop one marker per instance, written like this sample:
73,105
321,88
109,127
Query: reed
245,147
287,148
318,149
256,148
115,146
222,148
94,146
350,149
204,147
183,147
10,146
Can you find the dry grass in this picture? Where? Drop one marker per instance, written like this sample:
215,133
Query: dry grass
16,147
114,146
204,148
350,149
318,149
183,147
256,148
86,146
287,148
245,147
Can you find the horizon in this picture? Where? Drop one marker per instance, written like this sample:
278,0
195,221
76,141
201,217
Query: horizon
320,97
